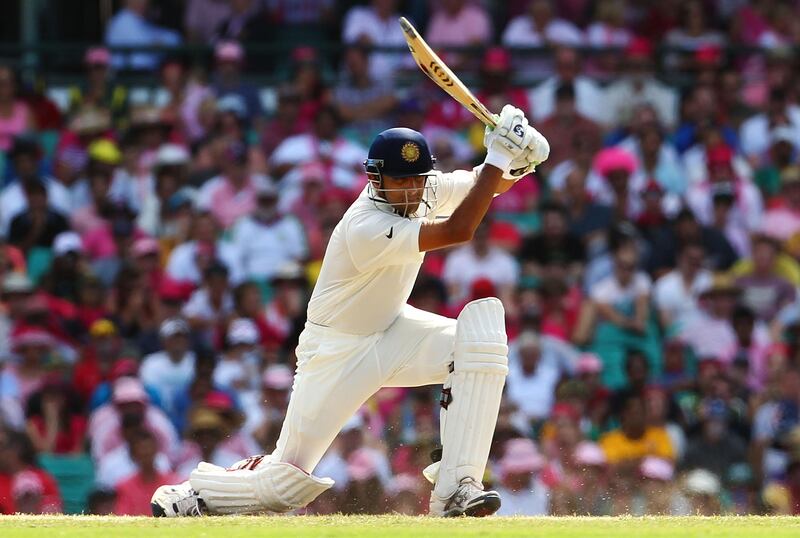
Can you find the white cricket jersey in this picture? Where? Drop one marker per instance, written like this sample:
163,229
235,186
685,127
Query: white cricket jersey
373,258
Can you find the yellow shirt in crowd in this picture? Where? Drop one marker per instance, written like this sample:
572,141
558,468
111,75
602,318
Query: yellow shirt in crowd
654,442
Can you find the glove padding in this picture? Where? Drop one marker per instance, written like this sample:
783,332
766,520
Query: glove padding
509,140
537,152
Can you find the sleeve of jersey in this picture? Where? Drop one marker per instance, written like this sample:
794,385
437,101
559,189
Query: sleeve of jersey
452,190
377,240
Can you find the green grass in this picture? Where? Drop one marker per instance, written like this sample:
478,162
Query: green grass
396,526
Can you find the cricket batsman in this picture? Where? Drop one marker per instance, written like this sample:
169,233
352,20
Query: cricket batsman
361,335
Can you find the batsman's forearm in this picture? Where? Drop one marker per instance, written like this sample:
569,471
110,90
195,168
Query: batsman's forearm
469,214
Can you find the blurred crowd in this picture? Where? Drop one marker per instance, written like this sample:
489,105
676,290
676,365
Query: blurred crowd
159,248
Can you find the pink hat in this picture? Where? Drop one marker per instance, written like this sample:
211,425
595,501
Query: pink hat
496,59
97,56
362,464
124,367
144,246
229,51
278,376
589,454
521,456
32,337
129,389
218,400
615,158
657,468
589,363
26,483
402,483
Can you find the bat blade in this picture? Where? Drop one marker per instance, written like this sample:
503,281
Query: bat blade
437,70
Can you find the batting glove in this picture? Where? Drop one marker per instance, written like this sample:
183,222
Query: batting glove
537,152
509,140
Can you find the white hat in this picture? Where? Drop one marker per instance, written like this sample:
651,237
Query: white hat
278,376
172,326
171,155
66,242
702,482
784,133
242,331
17,282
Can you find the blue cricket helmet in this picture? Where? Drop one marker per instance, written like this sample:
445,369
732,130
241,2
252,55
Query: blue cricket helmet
400,152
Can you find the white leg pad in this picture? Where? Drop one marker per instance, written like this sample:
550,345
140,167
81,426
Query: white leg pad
271,486
480,366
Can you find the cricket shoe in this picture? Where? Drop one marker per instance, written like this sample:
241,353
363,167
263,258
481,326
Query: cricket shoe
469,499
177,501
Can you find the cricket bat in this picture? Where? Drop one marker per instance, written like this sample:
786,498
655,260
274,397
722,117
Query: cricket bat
438,71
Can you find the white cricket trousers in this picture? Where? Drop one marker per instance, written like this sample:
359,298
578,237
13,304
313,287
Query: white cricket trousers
337,372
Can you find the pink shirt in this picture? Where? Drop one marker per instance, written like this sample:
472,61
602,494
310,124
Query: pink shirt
13,125
105,430
468,26
133,494
227,203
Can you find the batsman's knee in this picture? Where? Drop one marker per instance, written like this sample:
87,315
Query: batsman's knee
481,341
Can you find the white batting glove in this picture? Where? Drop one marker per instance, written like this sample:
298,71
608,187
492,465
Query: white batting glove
537,152
509,140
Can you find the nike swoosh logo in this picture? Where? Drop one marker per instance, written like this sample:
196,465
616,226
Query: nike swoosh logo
391,231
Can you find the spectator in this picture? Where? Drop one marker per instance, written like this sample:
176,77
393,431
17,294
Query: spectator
781,161
131,403
634,440
266,239
341,159
537,365
171,371
202,18
710,334
232,194
640,86
237,368
133,493
206,432
98,359
363,101
210,305
566,124
523,492
457,23
554,249
539,27
480,259
55,423
715,447
754,133
609,29
675,294
376,25
286,121
100,90
568,72
189,260
15,117
24,487
25,158
726,200
245,22
227,79
40,224
170,173
764,289
285,309
129,28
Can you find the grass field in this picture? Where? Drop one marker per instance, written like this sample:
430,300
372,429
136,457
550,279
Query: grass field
395,526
